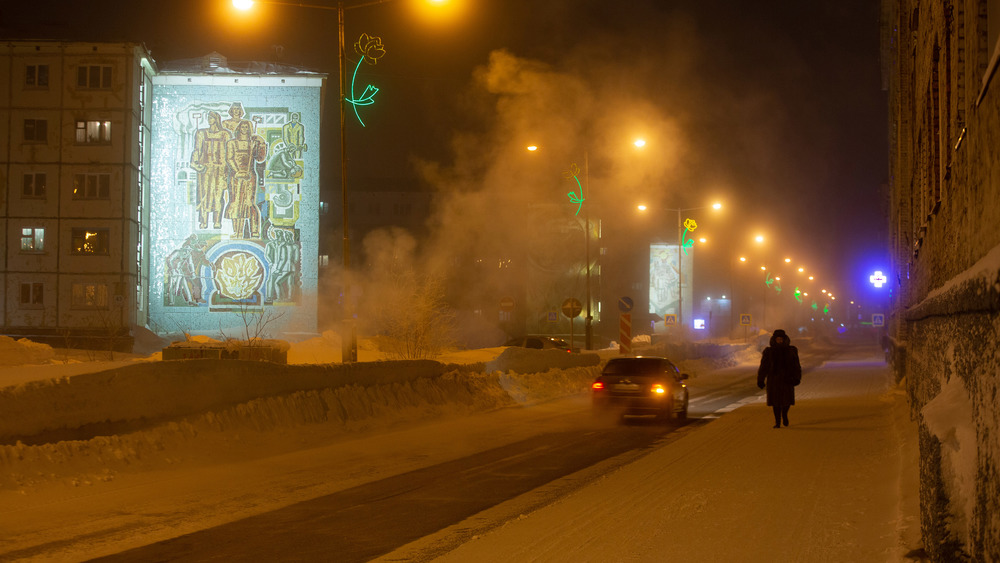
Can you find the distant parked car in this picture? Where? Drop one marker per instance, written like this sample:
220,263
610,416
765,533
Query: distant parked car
540,343
643,385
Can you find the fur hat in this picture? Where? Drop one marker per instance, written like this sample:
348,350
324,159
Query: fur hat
780,334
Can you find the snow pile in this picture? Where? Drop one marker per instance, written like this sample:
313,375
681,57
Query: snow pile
949,418
23,352
90,427
324,349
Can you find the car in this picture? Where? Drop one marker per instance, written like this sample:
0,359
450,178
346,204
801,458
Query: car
641,386
540,343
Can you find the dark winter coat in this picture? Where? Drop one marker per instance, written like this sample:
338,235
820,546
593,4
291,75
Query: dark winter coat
780,372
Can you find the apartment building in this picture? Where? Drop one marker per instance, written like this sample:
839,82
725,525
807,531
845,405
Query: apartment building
74,177
181,197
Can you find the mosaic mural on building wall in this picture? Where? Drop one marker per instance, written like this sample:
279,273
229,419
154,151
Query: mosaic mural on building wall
234,205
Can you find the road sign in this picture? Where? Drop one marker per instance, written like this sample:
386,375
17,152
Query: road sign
572,307
670,319
552,316
878,319
625,304
625,333
507,304
744,319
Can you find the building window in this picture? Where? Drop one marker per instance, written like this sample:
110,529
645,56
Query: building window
324,260
36,131
89,241
34,185
32,294
36,76
90,296
94,76
93,132
91,186
32,239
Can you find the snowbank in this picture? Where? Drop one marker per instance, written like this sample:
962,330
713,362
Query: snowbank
89,426
23,351
385,394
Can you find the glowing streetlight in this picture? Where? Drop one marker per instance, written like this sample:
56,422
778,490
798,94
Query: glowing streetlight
639,143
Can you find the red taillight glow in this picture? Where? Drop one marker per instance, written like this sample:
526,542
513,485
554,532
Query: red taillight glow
597,386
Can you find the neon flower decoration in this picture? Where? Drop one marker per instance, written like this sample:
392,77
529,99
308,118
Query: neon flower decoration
798,294
686,243
574,174
772,283
371,50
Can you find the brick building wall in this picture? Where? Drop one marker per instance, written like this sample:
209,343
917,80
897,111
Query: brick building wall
944,168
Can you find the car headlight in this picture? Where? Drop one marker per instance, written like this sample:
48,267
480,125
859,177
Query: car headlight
658,389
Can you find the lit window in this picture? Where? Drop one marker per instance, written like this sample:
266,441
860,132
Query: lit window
93,132
91,186
32,239
36,76
90,295
94,76
36,131
32,294
89,241
34,185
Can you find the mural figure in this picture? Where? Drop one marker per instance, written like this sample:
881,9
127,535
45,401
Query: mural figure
236,114
293,134
243,153
209,160
182,268
282,253
282,165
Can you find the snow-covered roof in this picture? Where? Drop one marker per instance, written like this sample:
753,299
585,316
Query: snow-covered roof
216,63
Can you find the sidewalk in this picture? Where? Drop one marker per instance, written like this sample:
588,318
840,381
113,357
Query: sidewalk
839,484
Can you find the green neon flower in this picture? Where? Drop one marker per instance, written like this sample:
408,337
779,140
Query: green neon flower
689,225
574,174
371,50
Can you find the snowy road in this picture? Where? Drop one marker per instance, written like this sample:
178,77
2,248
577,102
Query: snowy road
448,481
567,449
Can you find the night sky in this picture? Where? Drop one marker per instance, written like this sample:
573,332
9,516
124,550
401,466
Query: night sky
776,108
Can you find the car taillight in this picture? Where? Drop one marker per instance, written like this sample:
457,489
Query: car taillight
658,389
597,386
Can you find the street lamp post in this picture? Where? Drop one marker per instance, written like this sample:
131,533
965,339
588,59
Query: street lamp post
680,249
349,339
588,327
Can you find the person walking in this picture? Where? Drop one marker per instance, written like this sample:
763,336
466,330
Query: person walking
780,371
